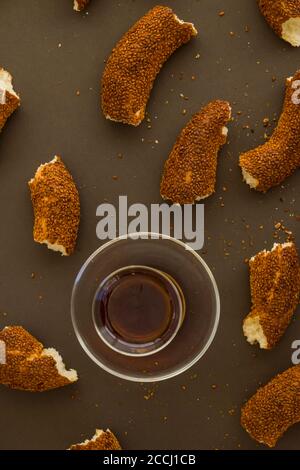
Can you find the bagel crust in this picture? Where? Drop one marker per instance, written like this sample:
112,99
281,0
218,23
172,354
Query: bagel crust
9,100
56,206
102,440
271,163
274,408
80,5
275,292
136,61
284,18
190,171
29,366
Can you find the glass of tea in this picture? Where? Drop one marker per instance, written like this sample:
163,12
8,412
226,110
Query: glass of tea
145,307
138,310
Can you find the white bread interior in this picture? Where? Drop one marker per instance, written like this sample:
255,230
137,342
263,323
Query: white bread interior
76,6
70,375
291,31
252,182
251,326
254,332
6,86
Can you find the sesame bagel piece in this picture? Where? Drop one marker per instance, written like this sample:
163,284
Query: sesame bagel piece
275,291
284,17
136,61
29,366
274,408
9,100
271,163
80,5
102,440
190,171
56,206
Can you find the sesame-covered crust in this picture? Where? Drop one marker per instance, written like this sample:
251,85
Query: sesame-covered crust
56,206
270,164
101,441
9,102
80,5
274,408
275,290
137,59
190,171
277,12
27,367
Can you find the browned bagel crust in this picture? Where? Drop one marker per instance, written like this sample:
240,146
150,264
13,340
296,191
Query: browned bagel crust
26,368
105,441
136,61
190,171
274,408
7,108
56,205
277,12
271,163
275,290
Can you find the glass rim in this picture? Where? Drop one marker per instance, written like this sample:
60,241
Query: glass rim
150,236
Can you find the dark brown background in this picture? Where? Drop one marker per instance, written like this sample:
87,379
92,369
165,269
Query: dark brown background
199,410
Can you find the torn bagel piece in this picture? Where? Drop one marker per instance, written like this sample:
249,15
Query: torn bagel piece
30,367
9,100
136,60
56,207
190,171
102,440
284,18
80,5
274,408
275,292
271,163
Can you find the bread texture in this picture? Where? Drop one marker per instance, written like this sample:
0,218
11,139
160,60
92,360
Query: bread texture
275,291
274,408
28,366
102,440
190,171
270,164
136,60
56,206
284,18
9,100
